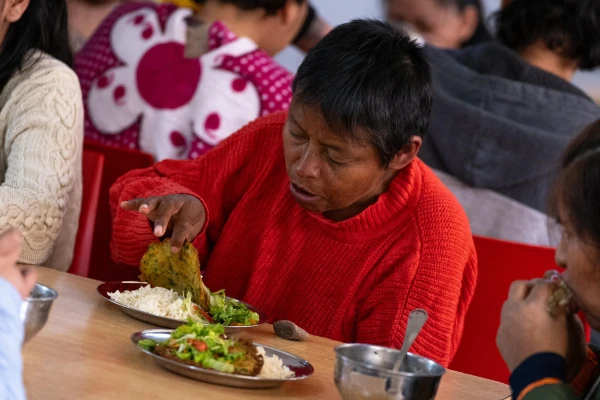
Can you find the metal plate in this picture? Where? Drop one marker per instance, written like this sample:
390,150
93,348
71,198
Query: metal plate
302,368
111,287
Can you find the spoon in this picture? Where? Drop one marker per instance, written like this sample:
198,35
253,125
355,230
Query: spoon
416,320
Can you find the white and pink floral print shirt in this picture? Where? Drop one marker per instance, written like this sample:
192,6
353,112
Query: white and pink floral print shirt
141,92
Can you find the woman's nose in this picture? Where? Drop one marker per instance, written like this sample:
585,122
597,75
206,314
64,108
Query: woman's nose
308,165
560,256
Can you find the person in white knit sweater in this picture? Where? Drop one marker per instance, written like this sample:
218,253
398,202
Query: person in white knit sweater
41,131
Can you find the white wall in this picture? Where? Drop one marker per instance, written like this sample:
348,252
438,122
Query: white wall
340,11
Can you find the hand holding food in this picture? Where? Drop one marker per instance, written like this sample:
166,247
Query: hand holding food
526,326
23,279
179,215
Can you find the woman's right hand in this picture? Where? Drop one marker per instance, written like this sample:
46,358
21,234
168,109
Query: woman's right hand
180,215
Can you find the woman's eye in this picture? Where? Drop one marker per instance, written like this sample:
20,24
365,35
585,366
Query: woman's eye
334,162
296,136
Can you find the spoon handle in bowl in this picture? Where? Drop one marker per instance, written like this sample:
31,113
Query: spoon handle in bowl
416,320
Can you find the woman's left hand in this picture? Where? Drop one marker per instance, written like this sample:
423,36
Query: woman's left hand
526,327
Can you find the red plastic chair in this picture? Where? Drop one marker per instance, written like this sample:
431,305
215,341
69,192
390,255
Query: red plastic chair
500,264
117,163
92,165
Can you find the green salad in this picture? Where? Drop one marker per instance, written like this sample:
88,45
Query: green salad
222,311
207,346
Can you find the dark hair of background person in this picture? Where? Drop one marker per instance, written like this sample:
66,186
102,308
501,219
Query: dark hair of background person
577,189
367,74
44,27
568,27
481,34
271,6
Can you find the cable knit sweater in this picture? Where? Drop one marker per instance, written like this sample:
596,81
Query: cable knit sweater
41,136
354,281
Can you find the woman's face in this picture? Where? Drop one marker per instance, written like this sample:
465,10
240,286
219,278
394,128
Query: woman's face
440,25
330,173
582,275
282,28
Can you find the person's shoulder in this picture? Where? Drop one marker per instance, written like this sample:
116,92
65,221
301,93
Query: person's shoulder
259,137
440,214
46,73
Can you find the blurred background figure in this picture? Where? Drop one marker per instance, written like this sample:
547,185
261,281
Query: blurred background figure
174,82
84,18
449,24
504,111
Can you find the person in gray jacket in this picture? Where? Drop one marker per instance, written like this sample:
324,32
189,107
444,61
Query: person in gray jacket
504,111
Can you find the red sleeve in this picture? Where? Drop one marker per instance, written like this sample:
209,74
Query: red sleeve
219,179
443,284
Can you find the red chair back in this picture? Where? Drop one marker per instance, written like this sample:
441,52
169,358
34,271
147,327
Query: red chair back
92,165
500,264
117,163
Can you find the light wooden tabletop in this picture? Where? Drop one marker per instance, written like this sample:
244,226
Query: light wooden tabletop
84,352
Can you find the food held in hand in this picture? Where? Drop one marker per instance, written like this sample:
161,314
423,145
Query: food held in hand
180,272
208,347
560,298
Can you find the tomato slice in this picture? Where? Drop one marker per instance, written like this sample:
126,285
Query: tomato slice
199,345
204,314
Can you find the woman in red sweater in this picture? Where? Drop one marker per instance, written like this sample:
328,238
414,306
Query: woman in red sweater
324,216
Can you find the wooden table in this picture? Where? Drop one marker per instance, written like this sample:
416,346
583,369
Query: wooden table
84,352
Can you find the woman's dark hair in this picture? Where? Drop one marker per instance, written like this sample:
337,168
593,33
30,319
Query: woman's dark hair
43,26
568,27
367,74
481,34
577,189
271,6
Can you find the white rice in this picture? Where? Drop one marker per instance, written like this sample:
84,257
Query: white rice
273,367
158,301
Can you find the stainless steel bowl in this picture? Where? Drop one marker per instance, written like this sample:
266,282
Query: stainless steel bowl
365,371
36,308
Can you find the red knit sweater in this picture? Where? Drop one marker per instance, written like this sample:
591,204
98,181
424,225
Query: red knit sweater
353,281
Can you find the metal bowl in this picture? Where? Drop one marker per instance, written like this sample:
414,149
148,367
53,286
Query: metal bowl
35,310
365,371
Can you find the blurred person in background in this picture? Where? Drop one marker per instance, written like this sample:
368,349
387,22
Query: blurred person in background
174,83
15,285
504,111
41,131
449,24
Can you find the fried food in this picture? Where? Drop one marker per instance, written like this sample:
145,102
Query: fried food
180,272
560,298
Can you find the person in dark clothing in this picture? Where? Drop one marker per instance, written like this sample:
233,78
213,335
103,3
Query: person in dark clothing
541,340
504,111
450,24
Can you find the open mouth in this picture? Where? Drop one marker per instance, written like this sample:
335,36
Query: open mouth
302,195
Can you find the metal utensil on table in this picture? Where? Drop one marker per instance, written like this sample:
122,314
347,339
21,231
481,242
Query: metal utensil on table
36,308
364,371
416,320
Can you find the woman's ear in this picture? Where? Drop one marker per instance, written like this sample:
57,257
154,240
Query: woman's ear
407,154
470,21
15,10
292,12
